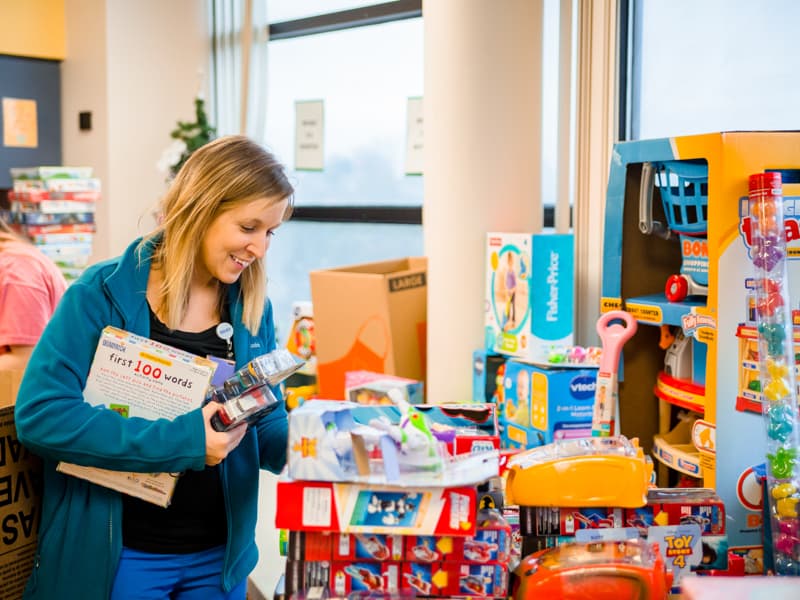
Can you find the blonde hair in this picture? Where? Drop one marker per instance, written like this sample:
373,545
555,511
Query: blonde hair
223,174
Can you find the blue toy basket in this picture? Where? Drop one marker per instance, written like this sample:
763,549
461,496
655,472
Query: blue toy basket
684,193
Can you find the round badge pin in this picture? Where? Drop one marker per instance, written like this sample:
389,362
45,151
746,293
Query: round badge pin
224,331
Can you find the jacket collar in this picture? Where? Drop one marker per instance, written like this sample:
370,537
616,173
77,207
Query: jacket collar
127,287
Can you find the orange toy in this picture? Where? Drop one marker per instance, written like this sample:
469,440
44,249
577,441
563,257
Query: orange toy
628,570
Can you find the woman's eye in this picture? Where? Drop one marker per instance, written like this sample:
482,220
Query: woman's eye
270,233
248,229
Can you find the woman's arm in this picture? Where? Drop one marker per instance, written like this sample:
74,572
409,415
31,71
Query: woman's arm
273,430
55,422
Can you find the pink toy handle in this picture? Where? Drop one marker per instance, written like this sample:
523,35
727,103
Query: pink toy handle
613,336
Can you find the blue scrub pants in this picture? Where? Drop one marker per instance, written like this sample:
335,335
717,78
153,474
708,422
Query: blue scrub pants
195,576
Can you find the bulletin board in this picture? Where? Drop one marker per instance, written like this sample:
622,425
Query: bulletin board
30,99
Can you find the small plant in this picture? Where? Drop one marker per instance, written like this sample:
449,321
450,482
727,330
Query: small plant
187,137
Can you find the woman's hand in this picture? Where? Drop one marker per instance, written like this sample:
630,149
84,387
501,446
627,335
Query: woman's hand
220,443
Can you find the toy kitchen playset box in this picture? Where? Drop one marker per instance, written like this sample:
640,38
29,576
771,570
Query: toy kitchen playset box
677,256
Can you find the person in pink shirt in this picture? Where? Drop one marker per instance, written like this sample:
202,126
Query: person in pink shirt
30,287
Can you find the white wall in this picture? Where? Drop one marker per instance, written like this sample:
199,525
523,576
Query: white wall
137,67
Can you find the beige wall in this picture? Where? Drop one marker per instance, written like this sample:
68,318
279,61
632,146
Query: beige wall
137,67
33,28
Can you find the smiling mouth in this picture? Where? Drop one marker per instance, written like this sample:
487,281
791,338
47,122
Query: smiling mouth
241,263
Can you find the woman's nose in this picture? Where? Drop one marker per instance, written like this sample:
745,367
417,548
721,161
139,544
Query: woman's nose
259,248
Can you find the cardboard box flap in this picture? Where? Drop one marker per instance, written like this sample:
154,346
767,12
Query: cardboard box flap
9,386
385,267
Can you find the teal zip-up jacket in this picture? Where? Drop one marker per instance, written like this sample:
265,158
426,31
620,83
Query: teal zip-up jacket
80,534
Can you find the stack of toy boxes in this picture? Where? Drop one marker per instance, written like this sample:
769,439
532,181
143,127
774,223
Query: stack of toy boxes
425,565
529,315
55,208
353,528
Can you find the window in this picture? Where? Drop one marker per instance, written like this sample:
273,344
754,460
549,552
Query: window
364,62
701,67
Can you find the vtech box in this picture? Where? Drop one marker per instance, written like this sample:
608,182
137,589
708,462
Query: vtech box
543,405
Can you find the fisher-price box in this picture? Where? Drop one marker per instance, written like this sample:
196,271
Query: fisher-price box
543,405
529,293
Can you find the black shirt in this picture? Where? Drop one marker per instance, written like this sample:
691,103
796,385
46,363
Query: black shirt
195,520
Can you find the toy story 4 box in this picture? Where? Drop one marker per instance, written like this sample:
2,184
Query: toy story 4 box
529,293
679,254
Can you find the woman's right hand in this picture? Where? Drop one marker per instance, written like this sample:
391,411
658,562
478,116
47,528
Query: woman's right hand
220,443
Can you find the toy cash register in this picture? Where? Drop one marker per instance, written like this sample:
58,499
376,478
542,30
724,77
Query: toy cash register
585,473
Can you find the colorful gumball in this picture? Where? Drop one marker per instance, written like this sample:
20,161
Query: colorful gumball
783,490
782,462
780,425
786,508
773,334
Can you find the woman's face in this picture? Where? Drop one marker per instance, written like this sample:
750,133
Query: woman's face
238,237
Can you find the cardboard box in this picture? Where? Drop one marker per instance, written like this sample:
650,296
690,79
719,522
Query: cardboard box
370,317
544,405
20,496
529,293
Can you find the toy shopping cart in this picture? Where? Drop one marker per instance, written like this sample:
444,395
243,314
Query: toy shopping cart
683,186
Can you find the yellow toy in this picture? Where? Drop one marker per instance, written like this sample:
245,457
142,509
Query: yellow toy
585,472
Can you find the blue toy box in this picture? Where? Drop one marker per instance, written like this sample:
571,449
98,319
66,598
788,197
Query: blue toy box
543,405
487,373
529,293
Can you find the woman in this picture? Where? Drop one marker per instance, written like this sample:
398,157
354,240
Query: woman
30,287
201,267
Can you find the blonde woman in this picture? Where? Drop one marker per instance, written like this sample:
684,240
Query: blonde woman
30,287
202,267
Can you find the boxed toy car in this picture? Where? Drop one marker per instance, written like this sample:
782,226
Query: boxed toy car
490,544
453,580
348,577
541,405
680,506
366,546
529,293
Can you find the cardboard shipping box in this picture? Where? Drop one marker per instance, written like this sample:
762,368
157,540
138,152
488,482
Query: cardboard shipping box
370,317
20,491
